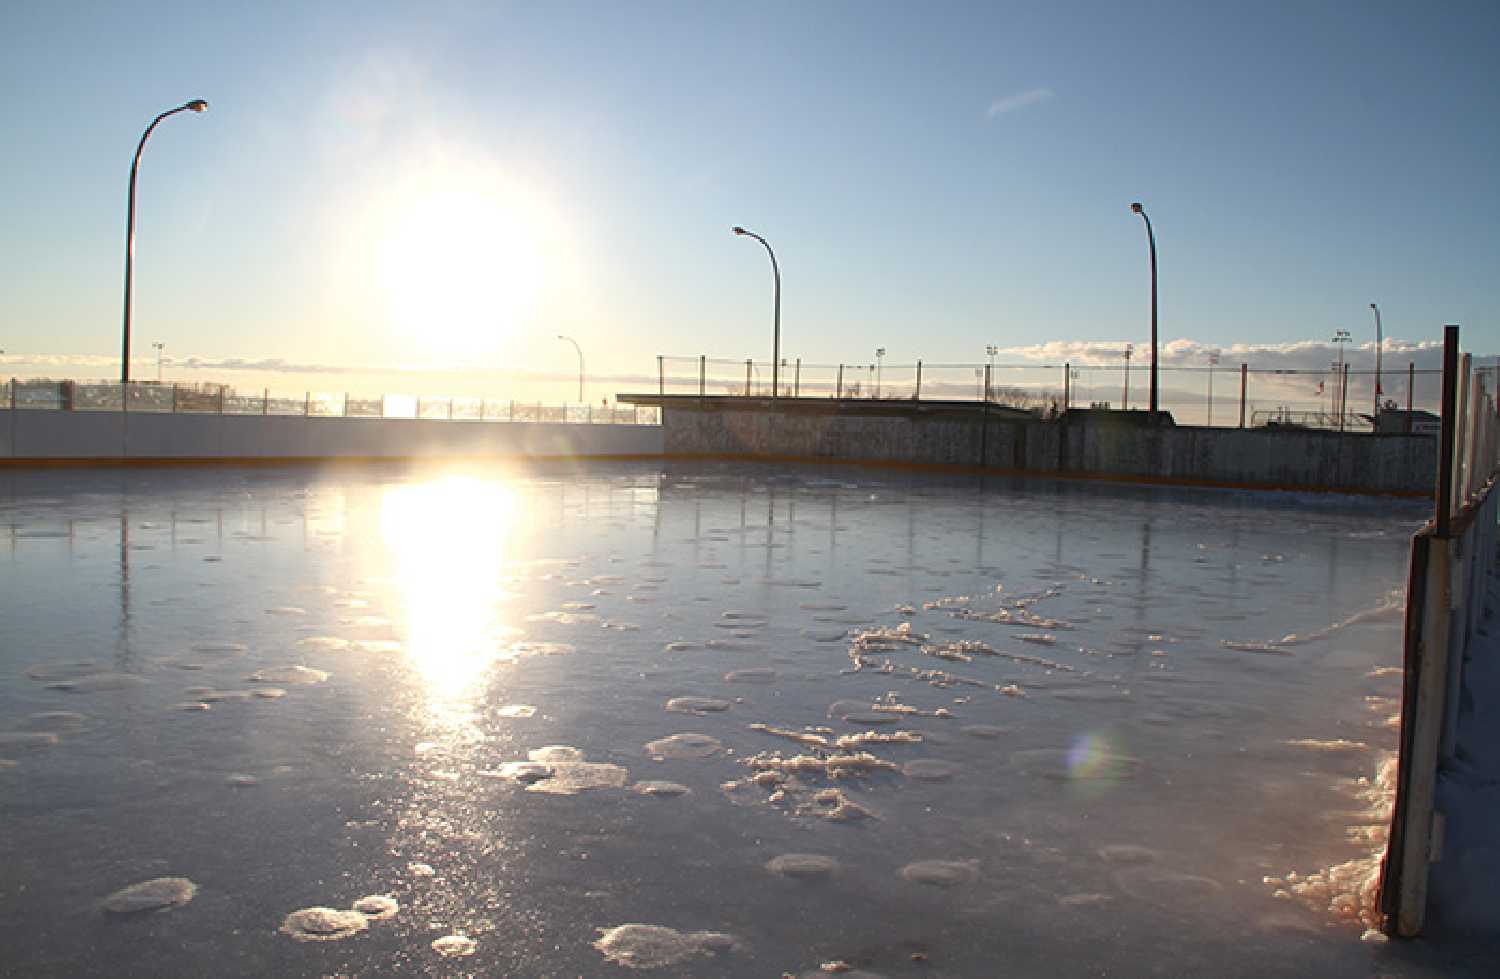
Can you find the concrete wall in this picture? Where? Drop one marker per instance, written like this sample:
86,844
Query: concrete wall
101,435
1079,446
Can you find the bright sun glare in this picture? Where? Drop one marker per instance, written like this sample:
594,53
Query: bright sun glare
464,258
449,539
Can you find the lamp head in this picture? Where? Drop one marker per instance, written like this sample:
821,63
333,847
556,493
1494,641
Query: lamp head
739,230
1138,207
1372,305
198,105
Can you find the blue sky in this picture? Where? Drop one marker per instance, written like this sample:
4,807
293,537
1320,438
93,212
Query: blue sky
379,185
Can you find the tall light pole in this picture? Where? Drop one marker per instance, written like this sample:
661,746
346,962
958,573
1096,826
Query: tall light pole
196,105
580,364
1129,349
1151,237
879,368
1379,347
776,334
159,348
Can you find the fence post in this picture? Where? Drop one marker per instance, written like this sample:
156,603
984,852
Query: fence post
174,397
838,390
918,395
13,394
702,375
748,365
1448,431
797,380
265,401
1067,385
1343,397
1411,380
1244,387
988,387
661,376
221,399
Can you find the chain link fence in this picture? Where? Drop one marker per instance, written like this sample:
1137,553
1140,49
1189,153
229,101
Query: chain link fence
146,397
1226,395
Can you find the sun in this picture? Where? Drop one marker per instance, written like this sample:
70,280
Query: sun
464,260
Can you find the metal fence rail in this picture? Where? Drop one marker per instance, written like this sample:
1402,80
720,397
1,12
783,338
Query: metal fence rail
146,397
1224,395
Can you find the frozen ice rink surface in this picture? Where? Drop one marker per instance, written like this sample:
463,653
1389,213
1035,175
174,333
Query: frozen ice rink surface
707,720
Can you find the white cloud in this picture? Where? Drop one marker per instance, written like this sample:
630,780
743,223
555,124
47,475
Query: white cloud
1020,100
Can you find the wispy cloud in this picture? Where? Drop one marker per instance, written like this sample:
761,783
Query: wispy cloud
1020,100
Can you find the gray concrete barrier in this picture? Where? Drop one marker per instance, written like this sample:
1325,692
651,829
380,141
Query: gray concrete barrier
42,436
1086,444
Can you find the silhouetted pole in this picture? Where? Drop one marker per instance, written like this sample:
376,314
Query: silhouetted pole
1244,389
1379,344
580,364
776,331
1151,238
196,105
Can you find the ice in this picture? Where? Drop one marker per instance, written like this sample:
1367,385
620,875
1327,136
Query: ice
157,894
1047,775
637,946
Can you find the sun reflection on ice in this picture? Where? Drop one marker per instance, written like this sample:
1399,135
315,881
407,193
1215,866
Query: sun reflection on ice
448,540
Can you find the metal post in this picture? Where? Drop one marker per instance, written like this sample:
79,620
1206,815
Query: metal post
1344,397
988,388
306,404
776,335
1244,387
346,406
1067,385
661,377
196,105
702,374
918,395
1151,237
265,401
797,380
174,399
748,366
1448,432
1379,345
838,390
1411,380
221,399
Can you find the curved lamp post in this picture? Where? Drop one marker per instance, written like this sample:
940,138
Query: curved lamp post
776,335
196,105
580,364
1151,237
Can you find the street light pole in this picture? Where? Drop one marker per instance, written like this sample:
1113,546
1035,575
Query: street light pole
776,334
580,364
1379,345
1151,237
196,105
1129,349
879,368
159,348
